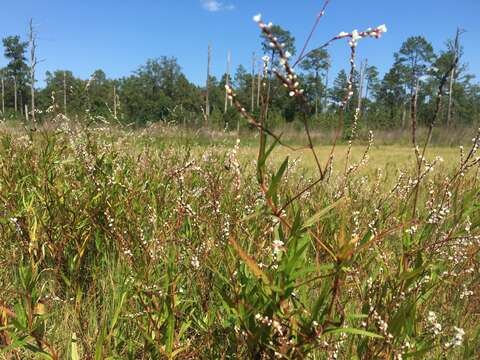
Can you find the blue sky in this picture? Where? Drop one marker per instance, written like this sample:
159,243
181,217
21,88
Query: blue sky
118,36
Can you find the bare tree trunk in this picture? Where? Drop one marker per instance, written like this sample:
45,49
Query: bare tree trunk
227,82
15,95
33,64
20,103
253,82
326,90
367,88
26,113
65,93
269,79
115,102
259,82
363,70
316,94
207,95
3,99
452,80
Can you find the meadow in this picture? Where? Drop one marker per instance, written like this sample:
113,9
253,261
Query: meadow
145,244
121,239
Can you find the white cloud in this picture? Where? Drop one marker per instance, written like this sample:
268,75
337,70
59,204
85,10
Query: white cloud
216,5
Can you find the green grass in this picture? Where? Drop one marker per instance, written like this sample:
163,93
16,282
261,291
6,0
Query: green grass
147,245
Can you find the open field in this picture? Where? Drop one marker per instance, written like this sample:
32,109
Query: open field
302,200
134,246
387,157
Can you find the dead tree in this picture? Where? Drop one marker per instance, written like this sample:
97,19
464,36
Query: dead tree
363,70
326,89
33,65
207,85
115,102
259,81
227,81
253,82
15,94
3,98
456,50
65,93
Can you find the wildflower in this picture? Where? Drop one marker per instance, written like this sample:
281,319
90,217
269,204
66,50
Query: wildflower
457,339
466,293
436,326
382,28
277,246
195,263
356,36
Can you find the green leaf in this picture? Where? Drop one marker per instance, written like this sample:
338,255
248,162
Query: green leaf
118,309
20,342
320,214
272,190
353,331
407,275
74,355
265,155
252,265
419,354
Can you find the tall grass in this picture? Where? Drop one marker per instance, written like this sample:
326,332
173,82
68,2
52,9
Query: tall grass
117,247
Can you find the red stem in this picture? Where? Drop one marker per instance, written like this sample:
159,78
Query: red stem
314,28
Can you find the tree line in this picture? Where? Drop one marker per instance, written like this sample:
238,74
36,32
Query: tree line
159,90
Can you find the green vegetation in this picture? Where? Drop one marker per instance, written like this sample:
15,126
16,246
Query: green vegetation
173,241
134,246
158,91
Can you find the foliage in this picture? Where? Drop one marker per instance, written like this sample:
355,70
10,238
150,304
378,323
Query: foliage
159,91
116,247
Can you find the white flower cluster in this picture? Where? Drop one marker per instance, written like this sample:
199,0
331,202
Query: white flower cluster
412,230
382,324
278,246
465,293
457,338
435,325
195,263
265,320
355,35
233,164
258,19
294,85
356,224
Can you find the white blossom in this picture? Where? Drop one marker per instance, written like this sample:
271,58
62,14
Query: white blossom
355,35
382,28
